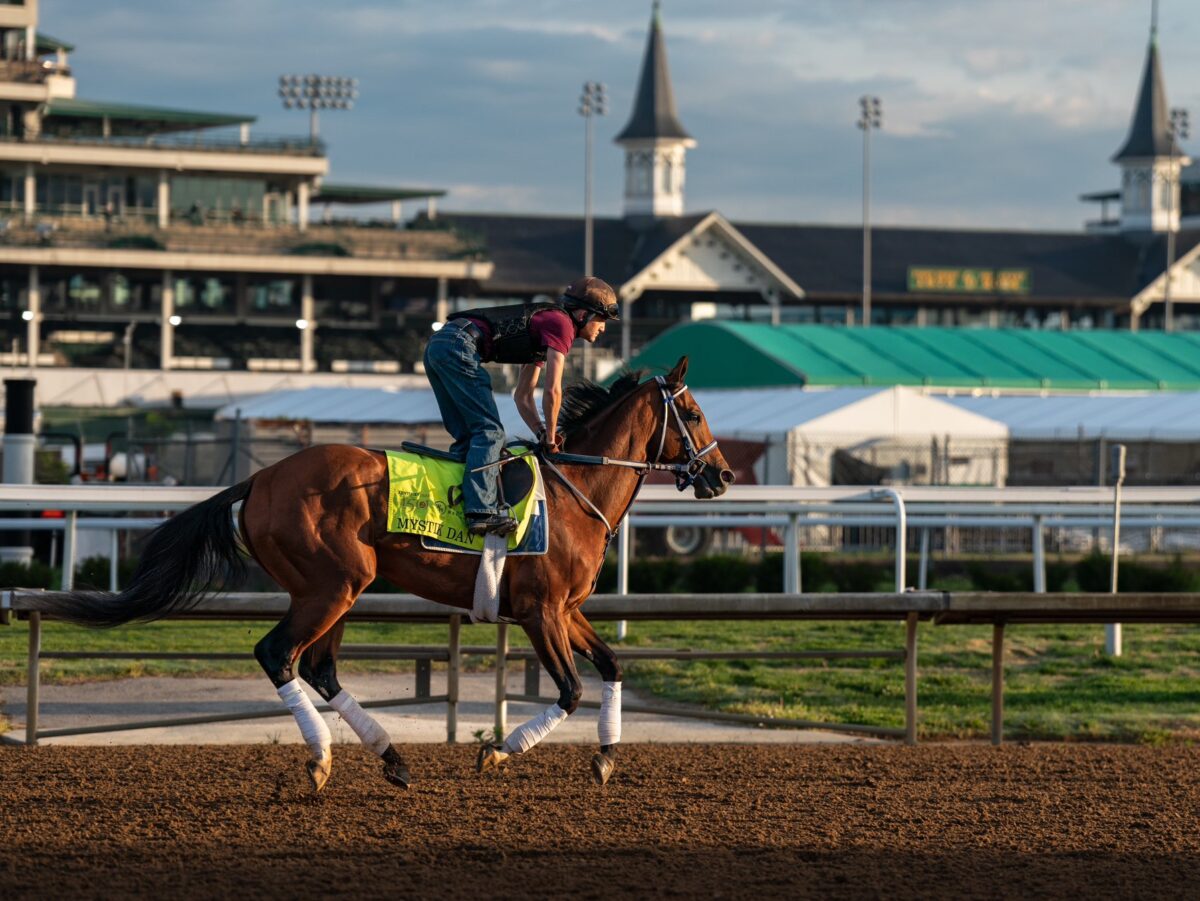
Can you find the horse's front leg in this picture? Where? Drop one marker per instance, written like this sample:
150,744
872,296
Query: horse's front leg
585,641
548,633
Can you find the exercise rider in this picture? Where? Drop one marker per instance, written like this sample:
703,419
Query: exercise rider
537,335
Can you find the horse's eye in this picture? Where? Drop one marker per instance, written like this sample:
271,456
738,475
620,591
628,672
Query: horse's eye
692,416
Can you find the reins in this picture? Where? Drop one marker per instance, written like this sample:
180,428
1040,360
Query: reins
685,473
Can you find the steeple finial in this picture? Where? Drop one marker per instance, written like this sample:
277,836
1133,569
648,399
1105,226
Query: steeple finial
1153,20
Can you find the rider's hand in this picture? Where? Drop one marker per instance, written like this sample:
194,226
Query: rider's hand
549,444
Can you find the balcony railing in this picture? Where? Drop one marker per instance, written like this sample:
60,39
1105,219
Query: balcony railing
30,71
134,231
191,141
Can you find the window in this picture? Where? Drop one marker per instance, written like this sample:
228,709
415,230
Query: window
215,294
83,293
120,294
204,295
274,296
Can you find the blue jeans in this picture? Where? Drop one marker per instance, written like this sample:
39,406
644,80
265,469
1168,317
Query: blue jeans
463,390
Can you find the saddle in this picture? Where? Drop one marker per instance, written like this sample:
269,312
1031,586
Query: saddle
515,482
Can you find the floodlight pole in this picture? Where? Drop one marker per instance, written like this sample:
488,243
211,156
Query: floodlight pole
1177,127
592,102
870,118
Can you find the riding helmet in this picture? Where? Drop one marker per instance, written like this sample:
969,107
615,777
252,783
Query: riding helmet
592,294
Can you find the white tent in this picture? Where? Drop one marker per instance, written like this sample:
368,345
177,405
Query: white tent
892,435
897,435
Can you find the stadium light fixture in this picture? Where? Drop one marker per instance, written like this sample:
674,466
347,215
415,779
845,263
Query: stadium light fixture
27,315
175,320
302,324
315,93
870,118
1179,125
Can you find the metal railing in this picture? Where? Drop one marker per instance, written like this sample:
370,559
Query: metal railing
408,608
758,506
290,145
940,608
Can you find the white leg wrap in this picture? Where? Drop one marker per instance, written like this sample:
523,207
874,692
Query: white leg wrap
528,735
369,732
609,725
312,726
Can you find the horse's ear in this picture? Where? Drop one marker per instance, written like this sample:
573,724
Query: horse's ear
677,375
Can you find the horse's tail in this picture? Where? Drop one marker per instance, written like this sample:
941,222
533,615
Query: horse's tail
184,560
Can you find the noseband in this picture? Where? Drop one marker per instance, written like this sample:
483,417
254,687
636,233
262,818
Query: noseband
685,473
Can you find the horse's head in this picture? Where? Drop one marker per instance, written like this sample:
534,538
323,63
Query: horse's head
686,438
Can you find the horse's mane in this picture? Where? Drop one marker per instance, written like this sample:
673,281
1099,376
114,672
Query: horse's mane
584,401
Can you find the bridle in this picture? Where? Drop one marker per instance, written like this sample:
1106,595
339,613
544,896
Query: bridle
685,473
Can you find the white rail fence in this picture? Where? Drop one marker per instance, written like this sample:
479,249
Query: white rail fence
924,508
920,509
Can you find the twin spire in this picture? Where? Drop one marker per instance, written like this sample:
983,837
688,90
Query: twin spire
654,113
1151,160
1150,130
654,139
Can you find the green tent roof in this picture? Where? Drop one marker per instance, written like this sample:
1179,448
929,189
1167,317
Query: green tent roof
335,193
751,355
47,44
126,119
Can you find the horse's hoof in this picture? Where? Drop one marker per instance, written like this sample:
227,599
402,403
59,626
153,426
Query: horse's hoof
318,771
489,758
394,769
602,768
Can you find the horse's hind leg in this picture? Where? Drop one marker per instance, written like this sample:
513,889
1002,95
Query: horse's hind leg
585,641
318,667
306,621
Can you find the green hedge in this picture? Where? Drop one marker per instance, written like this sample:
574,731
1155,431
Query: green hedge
731,574
734,574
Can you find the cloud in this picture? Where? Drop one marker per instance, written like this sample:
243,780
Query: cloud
996,112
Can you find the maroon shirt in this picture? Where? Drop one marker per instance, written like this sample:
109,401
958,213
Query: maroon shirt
552,329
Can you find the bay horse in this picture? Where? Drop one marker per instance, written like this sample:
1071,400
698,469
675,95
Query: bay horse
316,522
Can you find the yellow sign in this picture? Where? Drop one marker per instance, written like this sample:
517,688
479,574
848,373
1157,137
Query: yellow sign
949,280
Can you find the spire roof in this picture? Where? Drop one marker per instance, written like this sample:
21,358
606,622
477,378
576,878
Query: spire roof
1149,132
654,113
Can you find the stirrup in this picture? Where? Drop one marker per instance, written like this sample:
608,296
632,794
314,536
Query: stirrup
492,524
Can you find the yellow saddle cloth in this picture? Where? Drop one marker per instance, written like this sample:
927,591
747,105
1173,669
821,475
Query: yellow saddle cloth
425,498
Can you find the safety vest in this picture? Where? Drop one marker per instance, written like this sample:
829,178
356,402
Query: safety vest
512,341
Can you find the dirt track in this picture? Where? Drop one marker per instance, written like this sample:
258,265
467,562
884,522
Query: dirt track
726,821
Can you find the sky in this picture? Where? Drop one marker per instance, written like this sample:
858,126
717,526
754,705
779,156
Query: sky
996,113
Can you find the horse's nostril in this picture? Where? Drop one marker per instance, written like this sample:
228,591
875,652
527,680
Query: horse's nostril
728,477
